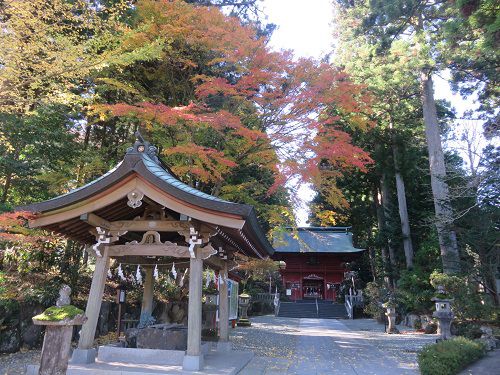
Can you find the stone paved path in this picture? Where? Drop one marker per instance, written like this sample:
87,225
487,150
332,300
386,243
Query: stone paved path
327,347
489,365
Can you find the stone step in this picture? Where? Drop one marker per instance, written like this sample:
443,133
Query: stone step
216,363
326,310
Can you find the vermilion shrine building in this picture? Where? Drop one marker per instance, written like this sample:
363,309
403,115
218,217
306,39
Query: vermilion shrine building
315,260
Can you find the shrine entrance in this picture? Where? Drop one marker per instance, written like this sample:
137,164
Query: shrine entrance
313,287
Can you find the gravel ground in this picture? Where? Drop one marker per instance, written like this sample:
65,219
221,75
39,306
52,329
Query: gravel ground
315,346
15,364
302,346
268,336
403,348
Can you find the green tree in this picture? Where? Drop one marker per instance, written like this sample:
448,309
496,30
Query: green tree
420,24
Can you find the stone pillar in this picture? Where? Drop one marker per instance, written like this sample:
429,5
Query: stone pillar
223,343
56,349
85,353
193,360
147,295
391,317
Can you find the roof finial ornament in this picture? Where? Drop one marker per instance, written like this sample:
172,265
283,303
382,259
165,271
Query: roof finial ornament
138,137
142,146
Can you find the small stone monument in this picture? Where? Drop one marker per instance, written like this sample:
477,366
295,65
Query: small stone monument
443,313
390,307
59,321
244,301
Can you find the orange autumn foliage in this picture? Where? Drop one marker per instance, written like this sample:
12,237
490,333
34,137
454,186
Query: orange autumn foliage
302,105
14,228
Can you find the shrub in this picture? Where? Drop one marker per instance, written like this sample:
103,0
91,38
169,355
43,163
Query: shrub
375,295
470,330
450,356
414,292
467,303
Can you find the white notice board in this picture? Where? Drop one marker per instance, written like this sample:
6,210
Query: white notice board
232,291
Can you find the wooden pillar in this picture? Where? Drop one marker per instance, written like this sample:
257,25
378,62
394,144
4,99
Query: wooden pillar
147,295
193,360
94,301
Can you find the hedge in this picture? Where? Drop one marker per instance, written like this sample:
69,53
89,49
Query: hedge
450,356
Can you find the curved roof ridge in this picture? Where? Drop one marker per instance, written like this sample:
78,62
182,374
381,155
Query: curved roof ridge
141,161
169,178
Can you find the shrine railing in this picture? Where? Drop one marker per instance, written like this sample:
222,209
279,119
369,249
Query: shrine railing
348,307
129,323
352,300
264,297
276,303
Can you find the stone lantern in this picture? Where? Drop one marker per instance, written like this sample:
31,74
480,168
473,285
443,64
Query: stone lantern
443,312
244,301
390,307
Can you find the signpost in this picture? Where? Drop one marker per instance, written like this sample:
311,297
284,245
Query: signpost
120,299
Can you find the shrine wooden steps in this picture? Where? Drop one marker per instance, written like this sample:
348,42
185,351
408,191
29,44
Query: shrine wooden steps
324,310
331,311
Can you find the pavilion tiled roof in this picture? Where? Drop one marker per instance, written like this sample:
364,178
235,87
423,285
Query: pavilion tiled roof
142,159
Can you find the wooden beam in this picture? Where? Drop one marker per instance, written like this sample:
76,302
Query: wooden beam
173,250
168,249
164,263
136,225
147,225
95,221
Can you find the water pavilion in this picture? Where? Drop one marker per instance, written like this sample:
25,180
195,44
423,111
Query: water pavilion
140,212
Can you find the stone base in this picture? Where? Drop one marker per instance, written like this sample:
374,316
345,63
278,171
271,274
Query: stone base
224,346
215,363
32,369
192,362
83,356
244,323
163,336
393,331
135,355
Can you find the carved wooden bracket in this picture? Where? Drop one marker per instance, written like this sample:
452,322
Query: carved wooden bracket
193,241
207,251
105,237
151,238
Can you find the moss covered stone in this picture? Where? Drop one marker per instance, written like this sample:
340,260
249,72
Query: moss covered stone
55,314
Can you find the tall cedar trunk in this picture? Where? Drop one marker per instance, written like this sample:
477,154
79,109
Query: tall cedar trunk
386,204
403,209
444,214
6,188
380,220
380,223
371,255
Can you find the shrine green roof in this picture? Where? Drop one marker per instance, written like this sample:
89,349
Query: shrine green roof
315,240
